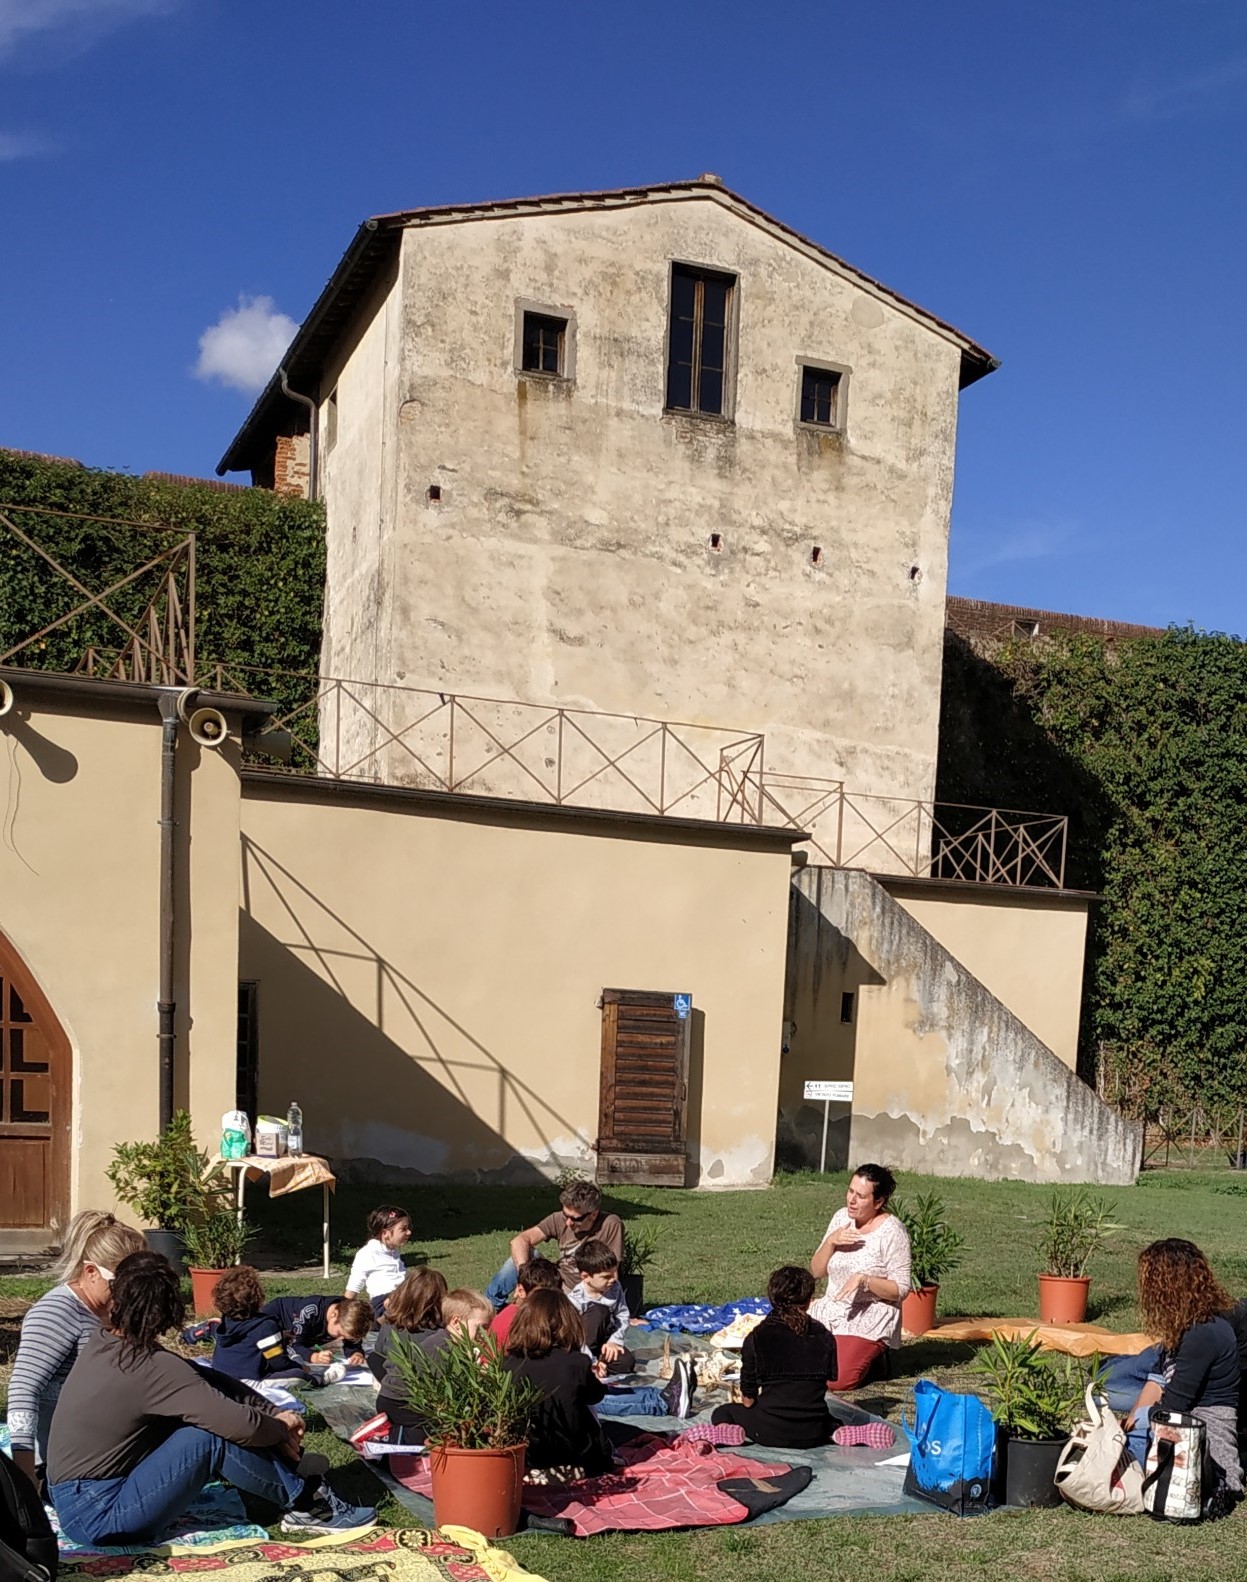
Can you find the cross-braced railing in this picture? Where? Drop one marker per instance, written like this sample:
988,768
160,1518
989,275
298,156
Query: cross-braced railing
928,840
446,741
152,641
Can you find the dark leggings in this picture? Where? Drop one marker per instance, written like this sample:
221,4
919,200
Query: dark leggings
763,1429
406,1427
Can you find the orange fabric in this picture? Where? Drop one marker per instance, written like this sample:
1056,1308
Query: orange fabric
291,1173
1079,1340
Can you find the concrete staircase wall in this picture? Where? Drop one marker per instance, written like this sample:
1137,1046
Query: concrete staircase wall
947,1080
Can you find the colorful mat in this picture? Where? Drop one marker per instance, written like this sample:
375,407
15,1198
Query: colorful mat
456,1554
696,1318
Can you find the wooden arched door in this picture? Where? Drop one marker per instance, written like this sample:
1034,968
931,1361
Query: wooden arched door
36,1079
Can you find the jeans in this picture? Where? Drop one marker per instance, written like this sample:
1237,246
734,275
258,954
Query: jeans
646,1400
502,1284
137,1508
1124,1377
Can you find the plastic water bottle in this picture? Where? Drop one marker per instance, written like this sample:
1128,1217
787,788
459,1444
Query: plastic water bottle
294,1130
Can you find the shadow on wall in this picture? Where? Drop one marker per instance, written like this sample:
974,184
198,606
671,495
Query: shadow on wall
398,1111
822,1000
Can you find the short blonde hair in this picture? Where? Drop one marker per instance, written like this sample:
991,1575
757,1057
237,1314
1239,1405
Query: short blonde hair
463,1305
95,1237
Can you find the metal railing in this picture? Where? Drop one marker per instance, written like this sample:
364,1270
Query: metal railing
1205,1138
924,839
455,742
157,641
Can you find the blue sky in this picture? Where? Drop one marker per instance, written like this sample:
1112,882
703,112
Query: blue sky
1064,181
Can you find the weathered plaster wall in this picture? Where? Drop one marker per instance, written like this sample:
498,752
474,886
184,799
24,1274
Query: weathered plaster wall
1025,946
79,899
428,982
947,1080
358,483
568,558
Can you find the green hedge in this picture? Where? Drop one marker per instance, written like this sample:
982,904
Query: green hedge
260,566
1144,745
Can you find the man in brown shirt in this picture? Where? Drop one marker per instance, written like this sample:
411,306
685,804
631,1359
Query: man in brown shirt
579,1218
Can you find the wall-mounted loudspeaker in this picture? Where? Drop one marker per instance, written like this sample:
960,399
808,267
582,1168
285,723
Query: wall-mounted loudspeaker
207,726
6,697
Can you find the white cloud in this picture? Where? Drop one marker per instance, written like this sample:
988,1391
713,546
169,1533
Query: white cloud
22,145
244,346
1020,541
1218,87
81,20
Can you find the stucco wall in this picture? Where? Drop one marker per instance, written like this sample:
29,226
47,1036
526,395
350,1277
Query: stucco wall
428,981
79,899
1027,947
568,558
947,1081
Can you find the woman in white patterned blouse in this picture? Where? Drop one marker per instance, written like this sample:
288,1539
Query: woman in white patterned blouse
865,1257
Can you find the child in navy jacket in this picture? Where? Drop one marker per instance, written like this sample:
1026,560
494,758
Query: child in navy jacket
284,1338
310,1325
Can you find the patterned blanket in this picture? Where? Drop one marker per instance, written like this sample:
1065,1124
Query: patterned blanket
456,1554
659,1486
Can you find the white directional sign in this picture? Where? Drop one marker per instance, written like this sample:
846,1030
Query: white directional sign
830,1092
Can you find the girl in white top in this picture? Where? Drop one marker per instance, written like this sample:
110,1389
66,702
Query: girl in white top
378,1268
865,1257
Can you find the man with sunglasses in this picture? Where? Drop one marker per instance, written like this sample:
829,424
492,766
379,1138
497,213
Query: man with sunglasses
579,1218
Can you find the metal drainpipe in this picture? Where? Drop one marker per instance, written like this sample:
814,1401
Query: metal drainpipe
171,703
313,439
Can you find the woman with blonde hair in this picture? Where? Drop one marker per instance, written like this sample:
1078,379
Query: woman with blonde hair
1197,1371
59,1324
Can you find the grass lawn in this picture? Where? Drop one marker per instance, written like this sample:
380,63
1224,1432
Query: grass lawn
715,1246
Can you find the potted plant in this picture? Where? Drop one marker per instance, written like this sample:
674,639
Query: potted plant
639,1249
934,1250
1078,1224
1037,1398
163,1183
477,1415
213,1245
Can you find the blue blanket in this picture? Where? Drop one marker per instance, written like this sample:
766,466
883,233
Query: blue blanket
696,1318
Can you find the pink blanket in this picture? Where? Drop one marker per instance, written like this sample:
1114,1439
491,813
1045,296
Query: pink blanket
659,1485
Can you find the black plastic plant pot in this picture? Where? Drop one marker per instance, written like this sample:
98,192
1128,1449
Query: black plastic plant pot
169,1244
1030,1467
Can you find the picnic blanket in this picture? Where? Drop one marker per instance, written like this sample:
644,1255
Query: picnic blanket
696,1318
658,1485
454,1554
1079,1340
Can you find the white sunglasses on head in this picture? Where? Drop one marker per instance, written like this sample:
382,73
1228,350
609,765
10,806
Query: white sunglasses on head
106,1275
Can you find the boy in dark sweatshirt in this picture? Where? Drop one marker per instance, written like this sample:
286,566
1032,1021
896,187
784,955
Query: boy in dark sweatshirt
284,1338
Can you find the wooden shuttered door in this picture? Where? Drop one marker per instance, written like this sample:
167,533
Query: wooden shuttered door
644,1098
35,1076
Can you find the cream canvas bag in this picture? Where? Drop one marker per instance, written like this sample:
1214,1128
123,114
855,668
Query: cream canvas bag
1096,1472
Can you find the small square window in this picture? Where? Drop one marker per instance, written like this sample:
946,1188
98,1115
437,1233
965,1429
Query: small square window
544,344
820,396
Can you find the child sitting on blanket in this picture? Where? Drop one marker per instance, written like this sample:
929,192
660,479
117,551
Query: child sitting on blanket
422,1315
250,1346
603,1308
311,1325
378,1266
538,1274
785,1363
545,1346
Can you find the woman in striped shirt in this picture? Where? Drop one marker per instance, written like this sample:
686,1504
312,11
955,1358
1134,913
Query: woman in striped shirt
58,1326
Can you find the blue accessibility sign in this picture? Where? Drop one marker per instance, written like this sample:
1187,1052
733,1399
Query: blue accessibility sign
683,1005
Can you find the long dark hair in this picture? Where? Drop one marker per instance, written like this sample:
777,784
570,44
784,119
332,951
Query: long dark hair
147,1303
545,1321
789,1291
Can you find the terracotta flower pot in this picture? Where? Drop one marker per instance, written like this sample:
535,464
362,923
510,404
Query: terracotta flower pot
203,1283
1062,1300
478,1488
918,1310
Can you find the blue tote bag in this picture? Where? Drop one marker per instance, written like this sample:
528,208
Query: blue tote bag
951,1447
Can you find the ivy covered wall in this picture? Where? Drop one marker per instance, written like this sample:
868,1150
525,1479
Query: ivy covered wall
1144,744
260,568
